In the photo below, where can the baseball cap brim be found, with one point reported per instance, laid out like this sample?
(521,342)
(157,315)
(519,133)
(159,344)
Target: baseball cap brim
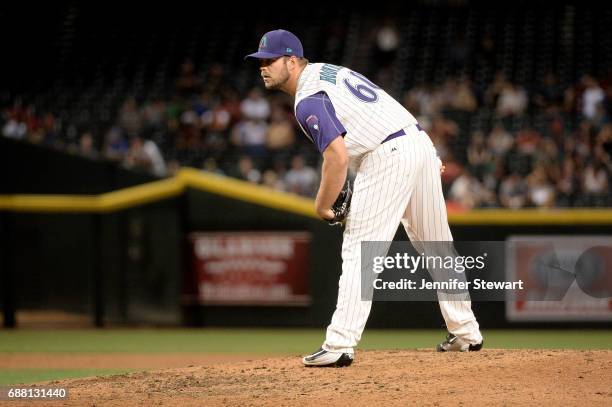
(263,55)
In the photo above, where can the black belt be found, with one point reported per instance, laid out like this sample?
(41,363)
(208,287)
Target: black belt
(399,133)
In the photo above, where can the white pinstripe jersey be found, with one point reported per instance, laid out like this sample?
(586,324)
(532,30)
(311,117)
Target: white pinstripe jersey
(366,111)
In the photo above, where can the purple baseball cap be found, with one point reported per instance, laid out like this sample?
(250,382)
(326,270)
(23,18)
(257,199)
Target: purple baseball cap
(278,43)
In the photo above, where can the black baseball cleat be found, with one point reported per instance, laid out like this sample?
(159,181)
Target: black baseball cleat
(454,344)
(324,358)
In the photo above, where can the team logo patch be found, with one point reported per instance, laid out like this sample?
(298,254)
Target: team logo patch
(263,43)
(312,122)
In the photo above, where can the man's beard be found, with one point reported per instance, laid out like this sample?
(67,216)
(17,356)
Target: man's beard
(279,83)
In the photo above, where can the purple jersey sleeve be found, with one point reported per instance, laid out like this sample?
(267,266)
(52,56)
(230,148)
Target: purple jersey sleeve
(318,118)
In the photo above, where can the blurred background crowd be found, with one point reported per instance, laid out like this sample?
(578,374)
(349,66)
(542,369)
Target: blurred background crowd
(517,101)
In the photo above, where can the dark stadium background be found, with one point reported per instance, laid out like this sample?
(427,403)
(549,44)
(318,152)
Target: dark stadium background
(501,88)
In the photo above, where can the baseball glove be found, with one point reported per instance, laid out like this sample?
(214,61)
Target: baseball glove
(342,205)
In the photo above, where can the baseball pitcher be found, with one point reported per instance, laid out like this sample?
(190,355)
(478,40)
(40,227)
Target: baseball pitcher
(352,121)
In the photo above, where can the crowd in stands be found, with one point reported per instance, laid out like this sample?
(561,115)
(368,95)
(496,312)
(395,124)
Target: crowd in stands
(504,145)
(543,147)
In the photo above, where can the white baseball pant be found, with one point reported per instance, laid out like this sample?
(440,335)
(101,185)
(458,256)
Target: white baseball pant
(397,182)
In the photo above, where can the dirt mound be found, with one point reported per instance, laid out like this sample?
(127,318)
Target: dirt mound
(421,377)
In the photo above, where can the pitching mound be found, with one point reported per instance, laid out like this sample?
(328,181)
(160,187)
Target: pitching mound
(422,377)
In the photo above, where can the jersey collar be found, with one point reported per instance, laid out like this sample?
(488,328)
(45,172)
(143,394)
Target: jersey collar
(303,77)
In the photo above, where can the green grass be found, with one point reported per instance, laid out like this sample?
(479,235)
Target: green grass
(18,376)
(270,341)
(281,341)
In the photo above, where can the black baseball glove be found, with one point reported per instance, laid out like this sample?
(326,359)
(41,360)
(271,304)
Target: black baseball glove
(342,205)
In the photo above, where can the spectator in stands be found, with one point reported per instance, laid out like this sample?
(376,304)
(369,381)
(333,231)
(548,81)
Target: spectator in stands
(280,137)
(540,191)
(13,127)
(479,156)
(555,127)
(201,103)
(86,145)
(188,138)
(280,167)
(580,141)
(453,169)
(25,118)
(595,184)
(592,96)
(500,141)
(255,106)
(421,100)
(512,100)
(130,118)
(217,119)
(492,179)
(50,127)
(71,137)
(154,120)
(549,94)
(495,89)
(173,167)
(547,153)
(174,107)
(468,192)
(154,112)
(249,136)
(246,171)
(215,79)
(444,94)
(145,154)
(607,104)
(189,118)
(603,147)
(528,140)
(216,123)
(37,136)
(210,165)
(30,117)
(600,117)
(568,183)
(441,97)
(301,178)
(463,98)
(231,102)
(115,146)
(272,180)
(441,132)
(513,192)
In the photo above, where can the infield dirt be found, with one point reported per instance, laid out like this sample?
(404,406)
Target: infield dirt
(390,377)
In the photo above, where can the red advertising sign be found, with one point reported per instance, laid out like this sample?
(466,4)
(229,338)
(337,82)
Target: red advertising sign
(251,268)
(565,278)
